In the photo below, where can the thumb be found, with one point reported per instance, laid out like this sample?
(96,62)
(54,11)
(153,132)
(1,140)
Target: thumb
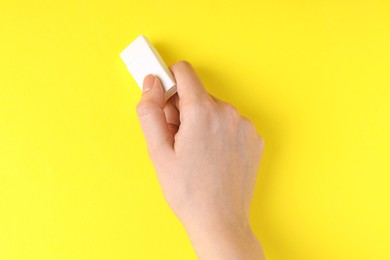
(152,117)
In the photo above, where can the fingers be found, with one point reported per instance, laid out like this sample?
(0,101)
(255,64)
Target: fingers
(160,121)
(152,118)
(172,115)
(190,89)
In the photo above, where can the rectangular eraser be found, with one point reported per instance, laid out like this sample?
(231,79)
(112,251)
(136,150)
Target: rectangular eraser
(142,59)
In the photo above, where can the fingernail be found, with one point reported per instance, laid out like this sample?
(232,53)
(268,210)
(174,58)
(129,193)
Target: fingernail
(148,83)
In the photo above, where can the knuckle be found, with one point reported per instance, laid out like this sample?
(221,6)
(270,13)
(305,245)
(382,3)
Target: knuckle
(232,111)
(203,111)
(251,128)
(250,124)
(204,115)
(261,142)
(207,105)
(252,133)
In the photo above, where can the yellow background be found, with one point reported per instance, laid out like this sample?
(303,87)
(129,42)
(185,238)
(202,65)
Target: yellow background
(75,179)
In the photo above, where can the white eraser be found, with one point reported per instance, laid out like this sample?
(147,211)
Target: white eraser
(142,59)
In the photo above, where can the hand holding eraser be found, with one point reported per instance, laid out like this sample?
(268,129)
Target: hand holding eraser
(142,59)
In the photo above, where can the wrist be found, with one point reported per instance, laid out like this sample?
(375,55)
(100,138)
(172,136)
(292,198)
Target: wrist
(221,239)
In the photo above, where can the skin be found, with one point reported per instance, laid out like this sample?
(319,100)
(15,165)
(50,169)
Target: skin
(206,156)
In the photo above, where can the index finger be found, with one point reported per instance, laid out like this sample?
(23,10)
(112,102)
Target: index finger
(190,88)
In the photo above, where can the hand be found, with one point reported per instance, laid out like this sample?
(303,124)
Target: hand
(206,157)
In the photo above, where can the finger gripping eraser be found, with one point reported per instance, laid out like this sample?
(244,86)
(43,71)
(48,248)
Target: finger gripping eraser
(142,59)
